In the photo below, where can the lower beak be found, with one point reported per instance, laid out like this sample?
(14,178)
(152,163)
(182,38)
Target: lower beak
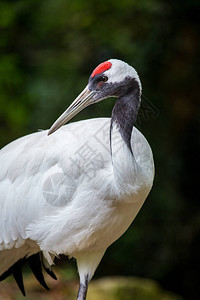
(83,100)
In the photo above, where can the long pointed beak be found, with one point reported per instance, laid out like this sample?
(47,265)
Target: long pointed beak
(77,105)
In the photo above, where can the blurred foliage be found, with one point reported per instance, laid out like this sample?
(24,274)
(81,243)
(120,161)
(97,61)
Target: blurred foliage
(48,50)
(108,288)
(127,288)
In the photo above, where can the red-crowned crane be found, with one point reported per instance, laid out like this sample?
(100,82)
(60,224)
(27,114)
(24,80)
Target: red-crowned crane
(76,191)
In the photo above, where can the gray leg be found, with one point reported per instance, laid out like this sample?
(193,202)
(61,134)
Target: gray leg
(82,292)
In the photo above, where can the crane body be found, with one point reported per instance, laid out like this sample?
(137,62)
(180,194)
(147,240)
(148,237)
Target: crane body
(77,190)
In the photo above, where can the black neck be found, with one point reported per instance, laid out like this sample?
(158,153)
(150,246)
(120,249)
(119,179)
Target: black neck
(125,113)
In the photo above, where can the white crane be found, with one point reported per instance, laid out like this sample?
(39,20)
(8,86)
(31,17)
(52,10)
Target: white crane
(76,191)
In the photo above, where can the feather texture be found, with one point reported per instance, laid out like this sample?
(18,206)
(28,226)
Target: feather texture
(78,190)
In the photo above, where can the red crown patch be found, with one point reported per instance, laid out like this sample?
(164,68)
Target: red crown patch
(101,68)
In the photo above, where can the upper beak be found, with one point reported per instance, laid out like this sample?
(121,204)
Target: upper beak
(77,105)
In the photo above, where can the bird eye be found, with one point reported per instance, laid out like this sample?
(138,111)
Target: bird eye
(104,78)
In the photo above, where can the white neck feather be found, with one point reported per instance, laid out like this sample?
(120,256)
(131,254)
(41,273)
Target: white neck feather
(124,165)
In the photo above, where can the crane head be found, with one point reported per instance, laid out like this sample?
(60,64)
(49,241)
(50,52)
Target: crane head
(112,78)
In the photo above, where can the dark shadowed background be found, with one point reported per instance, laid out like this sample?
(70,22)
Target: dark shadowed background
(48,50)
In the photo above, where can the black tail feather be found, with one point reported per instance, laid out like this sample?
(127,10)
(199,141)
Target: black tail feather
(35,265)
(17,273)
(16,270)
(6,274)
(50,272)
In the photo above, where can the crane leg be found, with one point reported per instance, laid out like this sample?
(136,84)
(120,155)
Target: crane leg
(82,292)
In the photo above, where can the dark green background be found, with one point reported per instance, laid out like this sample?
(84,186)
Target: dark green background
(48,50)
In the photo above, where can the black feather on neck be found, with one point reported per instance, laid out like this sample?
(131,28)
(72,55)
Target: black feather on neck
(125,111)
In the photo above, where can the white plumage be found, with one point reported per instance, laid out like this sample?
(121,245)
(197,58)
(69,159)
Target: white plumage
(67,194)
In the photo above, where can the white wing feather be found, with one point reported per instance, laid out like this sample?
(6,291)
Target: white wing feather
(52,188)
